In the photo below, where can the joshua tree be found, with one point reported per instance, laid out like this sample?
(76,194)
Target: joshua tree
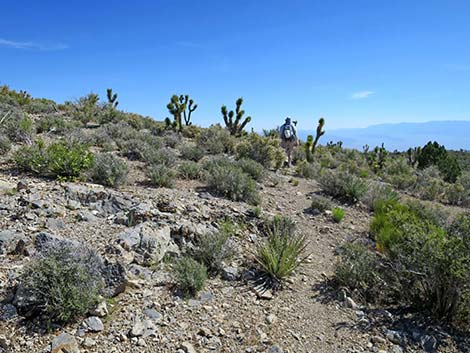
(181,106)
(235,126)
(176,109)
(112,98)
(311,143)
(189,104)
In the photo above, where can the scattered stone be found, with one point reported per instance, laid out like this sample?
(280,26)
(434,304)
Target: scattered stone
(101,310)
(350,303)
(153,314)
(8,312)
(429,343)
(393,336)
(275,349)
(230,273)
(94,324)
(64,343)
(187,347)
(138,329)
(12,242)
(206,296)
(89,342)
(271,319)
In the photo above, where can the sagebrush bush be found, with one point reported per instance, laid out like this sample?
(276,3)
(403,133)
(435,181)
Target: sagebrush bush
(189,275)
(337,214)
(216,140)
(163,156)
(5,144)
(160,175)
(263,150)
(228,180)
(342,185)
(280,253)
(378,193)
(320,203)
(192,152)
(190,170)
(399,173)
(307,170)
(358,269)
(429,184)
(63,160)
(52,123)
(251,167)
(109,170)
(63,282)
(213,249)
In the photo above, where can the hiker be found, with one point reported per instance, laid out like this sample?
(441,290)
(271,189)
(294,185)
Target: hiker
(289,139)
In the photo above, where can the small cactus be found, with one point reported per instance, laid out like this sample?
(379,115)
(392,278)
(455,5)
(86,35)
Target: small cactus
(235,126)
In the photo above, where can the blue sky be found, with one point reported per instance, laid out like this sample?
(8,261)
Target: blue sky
(354,62)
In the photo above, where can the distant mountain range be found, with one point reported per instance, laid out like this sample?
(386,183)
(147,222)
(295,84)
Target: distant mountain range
(454,135)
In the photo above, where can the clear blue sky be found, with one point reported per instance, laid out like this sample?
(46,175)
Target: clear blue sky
(354,62)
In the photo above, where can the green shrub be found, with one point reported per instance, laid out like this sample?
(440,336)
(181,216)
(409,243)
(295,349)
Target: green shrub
(279,224)
(251,167)
(358,269)
(434,154)
(63,160)
(109,170)
(342,185)
(68,160)
(190,275)
(398,173)
(337,214)
(192,152)
(63,282)
(320,203)
(213,249)
(5,144)
(280,254)
(190,170)
(307,170)
(216,140)
(163,156)
(160,175)
(230,181)
(393,223)
(263,150)
(52,123)
(378,193)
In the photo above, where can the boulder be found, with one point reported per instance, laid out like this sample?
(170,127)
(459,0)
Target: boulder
(64,343)
(12,242)
(150,242)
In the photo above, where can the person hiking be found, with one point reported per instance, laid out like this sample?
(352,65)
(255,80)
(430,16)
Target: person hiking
(289,139)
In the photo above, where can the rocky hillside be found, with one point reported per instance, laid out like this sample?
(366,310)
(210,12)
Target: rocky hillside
(111,222)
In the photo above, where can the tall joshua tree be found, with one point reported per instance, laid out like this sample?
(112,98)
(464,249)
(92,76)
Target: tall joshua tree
(235,126)
(311,143)
(176,108)
(179,107)
(189,108)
